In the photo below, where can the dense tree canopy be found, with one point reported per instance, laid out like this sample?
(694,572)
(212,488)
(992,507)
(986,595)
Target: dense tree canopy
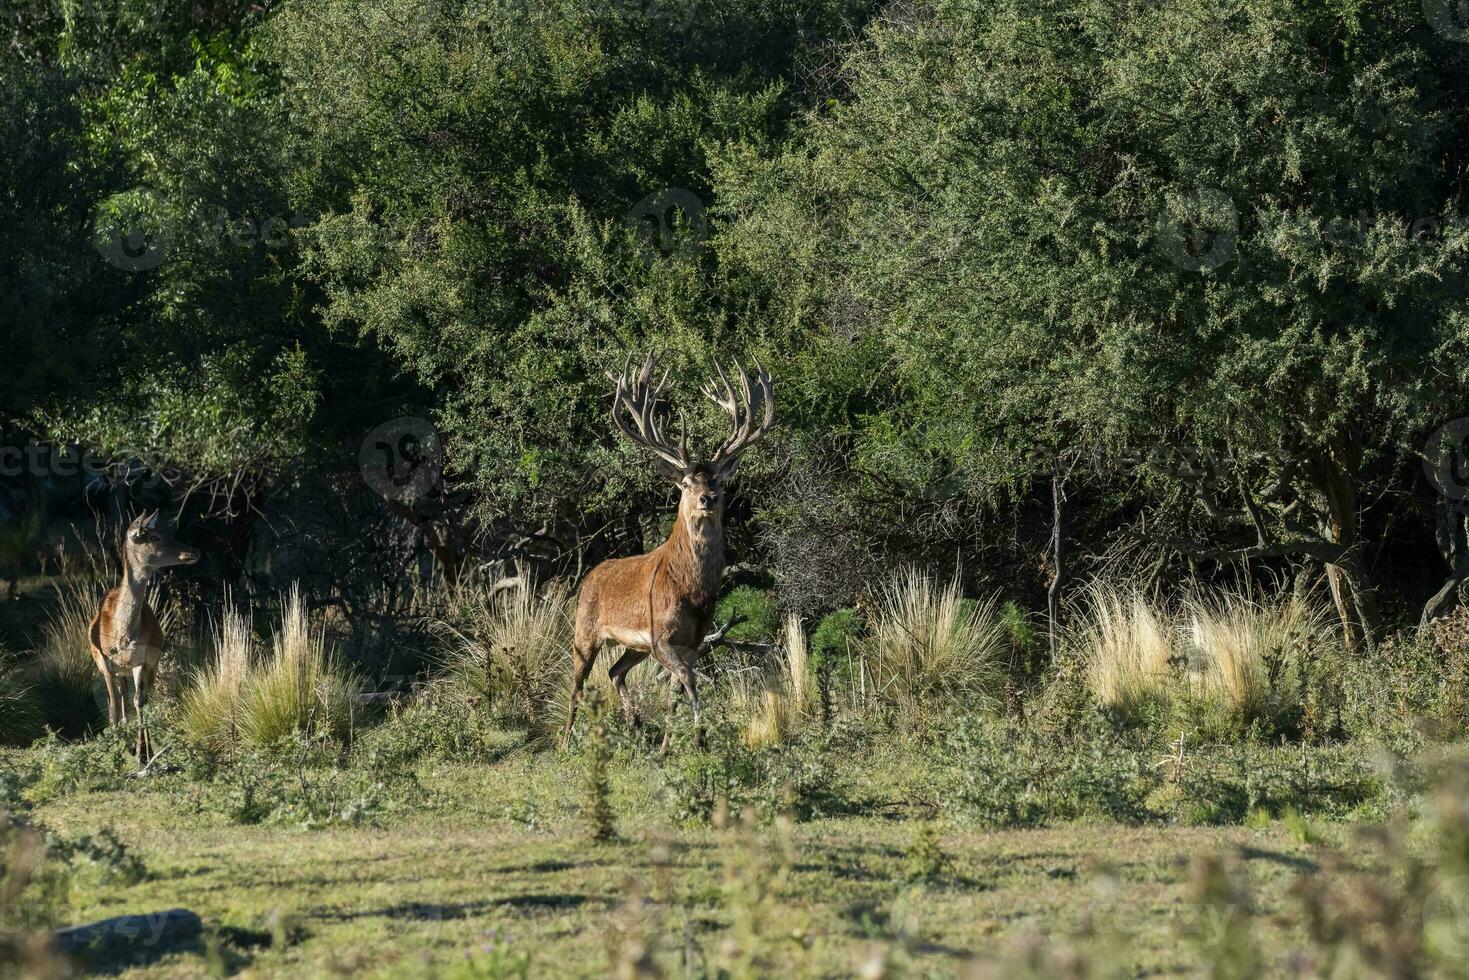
(1201,266)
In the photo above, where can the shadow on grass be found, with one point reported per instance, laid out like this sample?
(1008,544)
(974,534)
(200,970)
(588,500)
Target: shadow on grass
(440,912)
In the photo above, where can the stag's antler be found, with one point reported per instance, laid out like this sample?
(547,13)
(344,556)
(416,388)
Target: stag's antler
(637,399)
(742,406)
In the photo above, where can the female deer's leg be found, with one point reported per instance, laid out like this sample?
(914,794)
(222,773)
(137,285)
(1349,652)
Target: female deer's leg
(140,697)
(581,666)
(110,683)
(618,673)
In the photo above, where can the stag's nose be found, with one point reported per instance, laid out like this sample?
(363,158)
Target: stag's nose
(708,500)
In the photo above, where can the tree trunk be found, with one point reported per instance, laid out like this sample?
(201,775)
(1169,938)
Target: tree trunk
(1453,544)
(1058,561)
(1350,585)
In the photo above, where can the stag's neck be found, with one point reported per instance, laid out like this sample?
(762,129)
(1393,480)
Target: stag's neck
(695,558)
(127,614)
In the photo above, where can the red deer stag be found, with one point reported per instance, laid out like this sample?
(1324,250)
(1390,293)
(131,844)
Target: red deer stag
(125,636)
(662,603)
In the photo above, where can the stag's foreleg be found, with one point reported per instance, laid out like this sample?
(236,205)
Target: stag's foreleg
(679,661)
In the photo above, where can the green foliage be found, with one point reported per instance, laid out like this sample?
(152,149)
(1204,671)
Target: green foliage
(831,641)
(762,615)
(597,788)
(1006,776)
(730,776)
(926,859)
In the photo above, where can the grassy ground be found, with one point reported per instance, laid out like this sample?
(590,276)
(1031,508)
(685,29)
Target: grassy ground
(492,862)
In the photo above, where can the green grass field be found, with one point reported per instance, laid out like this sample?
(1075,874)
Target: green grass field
(492,863)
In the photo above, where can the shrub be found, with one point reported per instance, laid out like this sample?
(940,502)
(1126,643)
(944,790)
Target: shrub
(209,710)
(1225,664)
(762,618)
(298,688)
(775,704)
(928,648)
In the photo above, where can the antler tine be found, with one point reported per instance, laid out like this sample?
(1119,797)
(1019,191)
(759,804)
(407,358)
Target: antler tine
(637,397)
(744,432)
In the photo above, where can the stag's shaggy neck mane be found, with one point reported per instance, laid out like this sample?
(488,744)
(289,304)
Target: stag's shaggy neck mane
(693,558)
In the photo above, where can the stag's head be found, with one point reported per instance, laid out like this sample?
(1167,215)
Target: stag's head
(149,548)
(637,410)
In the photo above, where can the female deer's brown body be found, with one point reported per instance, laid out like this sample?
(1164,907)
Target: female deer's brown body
(662,604)
(125,637)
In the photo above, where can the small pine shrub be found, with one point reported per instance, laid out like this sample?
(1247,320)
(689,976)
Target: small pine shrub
(926,859)
(833,660)
(1026,643)
(762,617)
(597,790)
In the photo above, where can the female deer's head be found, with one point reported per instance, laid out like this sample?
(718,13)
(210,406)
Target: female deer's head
(147,548)
(636,412)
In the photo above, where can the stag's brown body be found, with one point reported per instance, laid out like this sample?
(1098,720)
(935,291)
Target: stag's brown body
(662,604)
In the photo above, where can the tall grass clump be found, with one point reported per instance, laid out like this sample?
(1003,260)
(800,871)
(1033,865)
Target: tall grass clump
(776,703)
(1248,659)
(298,687)
(210,708)
(67,686)
(1128,646)
(510,652)
(20,714)
(929,647)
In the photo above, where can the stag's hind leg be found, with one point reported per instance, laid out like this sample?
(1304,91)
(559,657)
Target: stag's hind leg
(583,656)
(618,673)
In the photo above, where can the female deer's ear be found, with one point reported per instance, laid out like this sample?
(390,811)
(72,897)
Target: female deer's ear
(152,522)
